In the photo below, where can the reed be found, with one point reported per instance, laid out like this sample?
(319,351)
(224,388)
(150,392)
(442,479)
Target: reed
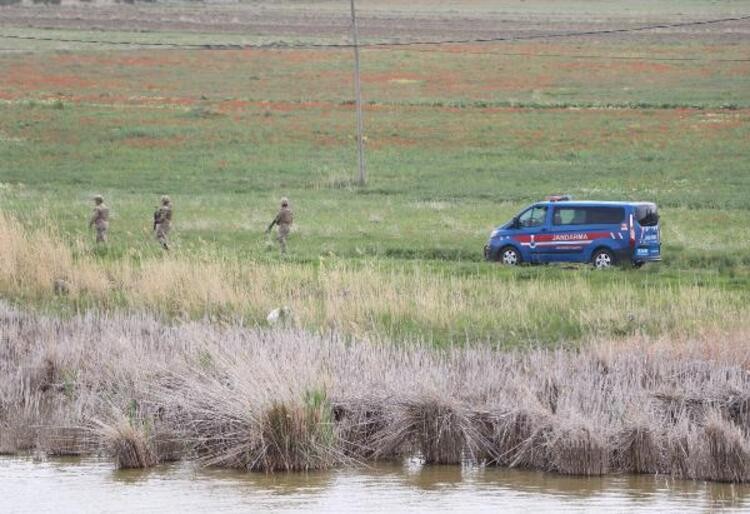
(636,449)
(289,400)
(680,449)
(578,449)
(358,423)
(432,426)
(62,441)
(129,443)
(520,438)
(728,452)
(249,421)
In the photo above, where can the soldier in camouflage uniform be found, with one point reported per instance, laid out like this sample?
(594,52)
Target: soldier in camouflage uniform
(100,219)
(163,221)
(284,220)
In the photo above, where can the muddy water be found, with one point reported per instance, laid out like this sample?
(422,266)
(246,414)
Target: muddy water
(90,485)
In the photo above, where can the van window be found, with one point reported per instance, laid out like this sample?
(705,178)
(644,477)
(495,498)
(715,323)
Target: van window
(588,215)
(534,217)
(647,215)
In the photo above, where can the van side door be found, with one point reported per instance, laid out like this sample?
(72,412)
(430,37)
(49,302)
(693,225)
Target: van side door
(576,229)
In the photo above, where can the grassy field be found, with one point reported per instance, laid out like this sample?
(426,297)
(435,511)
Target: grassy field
(460,137)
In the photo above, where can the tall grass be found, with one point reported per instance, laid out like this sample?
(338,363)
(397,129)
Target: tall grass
(362,298)
(128,441)
(272,400)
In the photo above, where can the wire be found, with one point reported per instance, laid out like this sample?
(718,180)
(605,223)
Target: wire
(392,44)
(602,56)
(568,34)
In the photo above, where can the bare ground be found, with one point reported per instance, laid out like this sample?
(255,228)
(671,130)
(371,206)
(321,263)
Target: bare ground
(331,23)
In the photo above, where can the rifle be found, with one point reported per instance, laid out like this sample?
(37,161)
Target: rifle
(275,220)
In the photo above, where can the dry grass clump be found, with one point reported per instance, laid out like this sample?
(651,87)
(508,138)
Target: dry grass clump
(636,449)
(129,442)
(37,264)
(288,400)
(32,396)
(17,429)
(296,439)
(728,452)
(275,437)
(62,441)
(577,449)
(358,423)
(519,439)
(737,410)
(434,427)
(169,446)
(679,444)
(129,445)
(264,420)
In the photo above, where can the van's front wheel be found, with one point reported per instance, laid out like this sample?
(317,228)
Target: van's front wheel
(509,256)
(603,259)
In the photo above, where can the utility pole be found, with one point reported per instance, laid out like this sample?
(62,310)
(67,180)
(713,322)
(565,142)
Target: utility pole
(358,99)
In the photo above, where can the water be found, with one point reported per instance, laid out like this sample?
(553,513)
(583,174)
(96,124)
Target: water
(92,485)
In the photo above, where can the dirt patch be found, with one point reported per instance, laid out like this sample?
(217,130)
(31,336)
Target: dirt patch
(331,22)
(638,67)
(152,59)
(153,142)
(30,77)
(392,77)
(511,82)
(231,106)
(304,56)
(376,142)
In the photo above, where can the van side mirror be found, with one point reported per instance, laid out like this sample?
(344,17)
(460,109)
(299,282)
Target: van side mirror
(515,223)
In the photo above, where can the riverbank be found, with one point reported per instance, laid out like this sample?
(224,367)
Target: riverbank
(145,392)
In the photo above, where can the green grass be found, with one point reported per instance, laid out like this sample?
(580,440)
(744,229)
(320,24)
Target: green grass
(457,143)
(437,198)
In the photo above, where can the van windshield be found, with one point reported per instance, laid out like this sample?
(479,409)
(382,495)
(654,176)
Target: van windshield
(533,217)
(647,215)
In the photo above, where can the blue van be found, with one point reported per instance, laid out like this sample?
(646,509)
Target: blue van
(602,233)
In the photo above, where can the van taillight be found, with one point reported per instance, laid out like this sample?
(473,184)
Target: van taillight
(632,232)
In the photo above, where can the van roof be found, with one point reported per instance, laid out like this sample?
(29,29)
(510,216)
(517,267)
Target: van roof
(590,203)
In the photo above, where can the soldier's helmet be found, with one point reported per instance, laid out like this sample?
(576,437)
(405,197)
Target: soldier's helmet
(285,202)
(98,199)
(165,200)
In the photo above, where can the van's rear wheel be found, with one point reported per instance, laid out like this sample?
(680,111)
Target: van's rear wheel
(509,256)
(603,259)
